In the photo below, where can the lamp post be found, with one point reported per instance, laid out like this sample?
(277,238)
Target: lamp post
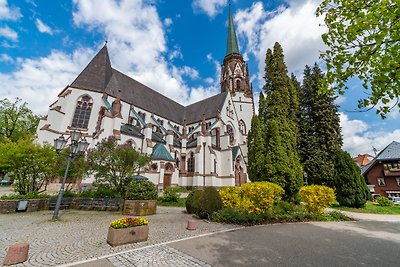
(75,147)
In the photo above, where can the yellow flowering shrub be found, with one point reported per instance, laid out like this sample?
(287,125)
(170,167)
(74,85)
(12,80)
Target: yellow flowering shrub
(317,197)
(257,197)
(128,222)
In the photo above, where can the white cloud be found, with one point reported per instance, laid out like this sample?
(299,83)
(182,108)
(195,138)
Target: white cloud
(210,7)
(42,27)
(360,138)
(7,12)
(296,28)
(6,58)
(9,33)
(38,81)
(168,22)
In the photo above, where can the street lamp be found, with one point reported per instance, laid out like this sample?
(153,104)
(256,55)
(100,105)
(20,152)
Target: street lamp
(75,147)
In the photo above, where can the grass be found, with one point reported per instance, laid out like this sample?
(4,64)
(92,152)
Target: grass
(371,207)
(181,203)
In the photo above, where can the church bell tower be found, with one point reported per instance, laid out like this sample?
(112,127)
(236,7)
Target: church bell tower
(234,72)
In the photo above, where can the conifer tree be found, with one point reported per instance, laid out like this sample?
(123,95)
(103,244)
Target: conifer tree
(350,185)
(256,148)
(279,115)
(319,129)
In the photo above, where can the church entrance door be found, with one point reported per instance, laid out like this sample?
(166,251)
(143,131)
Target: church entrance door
(167,181)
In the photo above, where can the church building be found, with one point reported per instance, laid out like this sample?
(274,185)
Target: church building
(202,144)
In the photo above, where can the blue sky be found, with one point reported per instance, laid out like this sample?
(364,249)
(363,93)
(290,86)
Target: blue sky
(174,46)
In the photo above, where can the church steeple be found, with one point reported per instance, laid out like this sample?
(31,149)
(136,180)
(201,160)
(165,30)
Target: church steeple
(234,72)
(231,44)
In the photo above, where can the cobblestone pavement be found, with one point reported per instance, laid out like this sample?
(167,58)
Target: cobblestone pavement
(81,235)
(156,256)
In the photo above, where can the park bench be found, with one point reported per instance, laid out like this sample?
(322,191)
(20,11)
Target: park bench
(65,203)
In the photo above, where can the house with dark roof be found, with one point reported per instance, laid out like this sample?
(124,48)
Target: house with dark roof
(383,172)
(202,144)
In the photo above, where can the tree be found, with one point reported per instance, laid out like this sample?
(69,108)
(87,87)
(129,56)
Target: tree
(319,129)
(256,148)
(350,185)
(363,41)
(76,169)
(29,165)
(16,120)
(114,165)
(279,117)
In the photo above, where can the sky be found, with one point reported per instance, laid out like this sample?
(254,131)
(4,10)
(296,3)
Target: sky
(173,46)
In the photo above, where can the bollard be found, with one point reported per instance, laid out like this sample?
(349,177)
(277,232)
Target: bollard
(17,253)
(191,225)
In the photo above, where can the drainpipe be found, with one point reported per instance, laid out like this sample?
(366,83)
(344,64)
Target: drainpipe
(204,164)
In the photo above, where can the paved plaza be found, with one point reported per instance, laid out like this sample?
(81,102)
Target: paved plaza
(81,235)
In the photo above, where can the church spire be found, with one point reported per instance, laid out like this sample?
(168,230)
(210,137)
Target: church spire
(231,44)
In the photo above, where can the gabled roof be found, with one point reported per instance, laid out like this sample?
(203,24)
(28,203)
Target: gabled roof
(391,152)
(99,76)
(161,153)
(363,159)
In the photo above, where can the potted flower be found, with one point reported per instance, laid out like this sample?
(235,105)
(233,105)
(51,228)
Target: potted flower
(140,198)
(127,230)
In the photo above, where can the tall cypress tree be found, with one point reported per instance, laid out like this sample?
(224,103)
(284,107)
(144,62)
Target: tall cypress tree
(256,150)
(319,129)
(279,116)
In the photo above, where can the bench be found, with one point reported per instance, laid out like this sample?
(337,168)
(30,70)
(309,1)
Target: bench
(65,203)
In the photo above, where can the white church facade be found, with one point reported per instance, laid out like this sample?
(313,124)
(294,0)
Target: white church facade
(203,144)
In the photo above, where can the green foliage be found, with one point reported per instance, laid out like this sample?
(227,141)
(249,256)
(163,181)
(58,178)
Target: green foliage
(26,196)
(256,197)
(278,114)
(17,121)
(350,186)
(317,197)
(193,201)
(384,202)
(171,194)
(181,202)
(374,208)
(256,155)
(210,202)
(319,129)
(76,169)
(100,192)
(235,216)
(29,165)
(362,42)
(114,165)
(141,190)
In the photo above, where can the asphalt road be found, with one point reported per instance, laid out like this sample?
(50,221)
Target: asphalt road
(361,243)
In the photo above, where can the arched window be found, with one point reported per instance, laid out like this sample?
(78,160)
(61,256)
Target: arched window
(242,127)
(238,85)
(229,131)
(82,112)
(191,162)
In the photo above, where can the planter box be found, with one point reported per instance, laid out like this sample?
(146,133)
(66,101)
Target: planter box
(139,207)
(122,236)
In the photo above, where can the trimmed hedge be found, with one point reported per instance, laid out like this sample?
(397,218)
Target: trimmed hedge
(141,190)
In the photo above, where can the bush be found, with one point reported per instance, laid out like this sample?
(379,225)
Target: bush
(232,215)
(317,197)
(210,202)
(27,196)
(141,190)
(171,194)
(193,201)
(257,197)
(284,207)
(384,201)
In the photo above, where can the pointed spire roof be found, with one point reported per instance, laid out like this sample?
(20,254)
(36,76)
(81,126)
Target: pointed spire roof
(97,73)
(231,44)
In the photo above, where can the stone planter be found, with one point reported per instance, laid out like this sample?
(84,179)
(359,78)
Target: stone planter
(139,207)
(122,236)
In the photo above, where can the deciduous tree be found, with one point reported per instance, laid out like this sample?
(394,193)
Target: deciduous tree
(363,42)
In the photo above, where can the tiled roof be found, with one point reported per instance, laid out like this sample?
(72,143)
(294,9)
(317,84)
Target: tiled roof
(363,159)
(391,152)
(99,76)
(161,153)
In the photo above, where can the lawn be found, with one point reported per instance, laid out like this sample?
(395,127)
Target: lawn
(181,203)
(371,207)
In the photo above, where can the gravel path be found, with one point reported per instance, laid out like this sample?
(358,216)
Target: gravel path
(81,235)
